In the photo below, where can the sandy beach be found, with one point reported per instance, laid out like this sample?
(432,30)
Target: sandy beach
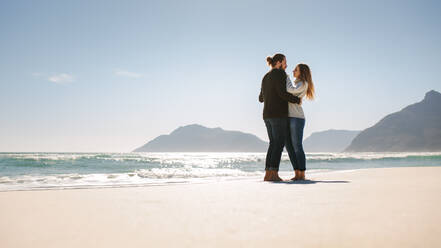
(388,207)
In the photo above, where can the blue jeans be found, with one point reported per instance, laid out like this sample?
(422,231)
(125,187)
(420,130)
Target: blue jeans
(294,145)
(277,129)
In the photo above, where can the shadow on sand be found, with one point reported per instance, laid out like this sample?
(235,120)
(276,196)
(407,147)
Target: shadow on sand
(308,181)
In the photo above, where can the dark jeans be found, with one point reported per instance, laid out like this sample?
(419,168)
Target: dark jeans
(294,145)
(277,129)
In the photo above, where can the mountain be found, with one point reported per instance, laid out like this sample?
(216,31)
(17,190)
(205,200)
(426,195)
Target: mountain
(329,141)
(417,128)
(197,138)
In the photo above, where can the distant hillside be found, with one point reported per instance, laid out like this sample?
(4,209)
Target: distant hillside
(197,138)
(329,141)
(415,128)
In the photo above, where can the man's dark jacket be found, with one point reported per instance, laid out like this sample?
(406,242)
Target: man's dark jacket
(274,95)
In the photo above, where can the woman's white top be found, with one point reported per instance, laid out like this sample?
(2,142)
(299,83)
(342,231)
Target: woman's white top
(299,90)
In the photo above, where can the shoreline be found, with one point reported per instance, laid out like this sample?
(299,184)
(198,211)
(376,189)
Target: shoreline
(385,207)
(209,180)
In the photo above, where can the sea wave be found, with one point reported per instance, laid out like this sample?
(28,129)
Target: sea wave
(46,170)
(138,177)
(203,160)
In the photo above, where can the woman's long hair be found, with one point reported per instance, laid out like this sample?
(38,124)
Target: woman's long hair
(305,75)
(272,61)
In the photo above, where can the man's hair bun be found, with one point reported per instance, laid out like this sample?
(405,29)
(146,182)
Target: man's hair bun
(272,61)
(269,60)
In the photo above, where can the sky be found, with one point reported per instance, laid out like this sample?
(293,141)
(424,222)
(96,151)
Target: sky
(108,76)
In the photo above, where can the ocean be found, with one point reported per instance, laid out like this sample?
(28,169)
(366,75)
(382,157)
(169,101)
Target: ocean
(33,171)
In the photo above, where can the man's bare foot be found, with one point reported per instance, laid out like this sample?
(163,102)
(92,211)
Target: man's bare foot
(267,176)
(276,177)
(272,176)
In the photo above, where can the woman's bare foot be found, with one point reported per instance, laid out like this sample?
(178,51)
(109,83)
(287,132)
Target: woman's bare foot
(301,175)
(296,177)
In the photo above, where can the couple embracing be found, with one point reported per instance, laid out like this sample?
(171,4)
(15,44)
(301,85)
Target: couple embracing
(283,115)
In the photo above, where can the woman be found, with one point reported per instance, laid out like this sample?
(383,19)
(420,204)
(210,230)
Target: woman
(275,113)
(303,86)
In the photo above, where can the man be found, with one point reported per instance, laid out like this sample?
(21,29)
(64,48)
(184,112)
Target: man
(275,113)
